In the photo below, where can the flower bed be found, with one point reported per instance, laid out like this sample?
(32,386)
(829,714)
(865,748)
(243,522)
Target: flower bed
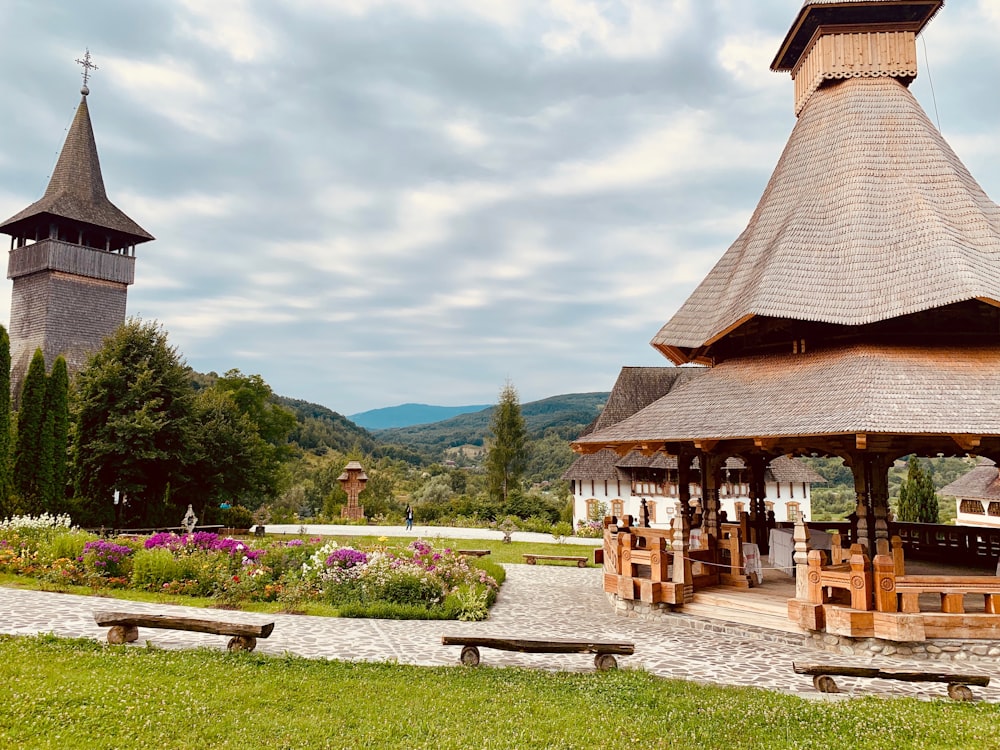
(413,581)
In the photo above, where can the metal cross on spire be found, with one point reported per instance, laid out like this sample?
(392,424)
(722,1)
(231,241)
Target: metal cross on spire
(87,66)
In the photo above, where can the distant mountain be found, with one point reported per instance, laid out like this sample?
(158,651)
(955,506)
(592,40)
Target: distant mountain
(568,414)
(407,415)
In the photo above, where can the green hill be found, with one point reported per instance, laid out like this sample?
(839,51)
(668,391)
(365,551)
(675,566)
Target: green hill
(567,415)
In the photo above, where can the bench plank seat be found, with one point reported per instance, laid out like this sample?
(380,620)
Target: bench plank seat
(472,552)
(124,627)
(957,682)
(603,650)
(581,562)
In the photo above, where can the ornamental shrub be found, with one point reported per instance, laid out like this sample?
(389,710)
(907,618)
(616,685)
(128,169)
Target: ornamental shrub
(155,567)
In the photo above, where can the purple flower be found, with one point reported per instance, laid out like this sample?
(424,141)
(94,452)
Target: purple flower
(345,557)
(294,543)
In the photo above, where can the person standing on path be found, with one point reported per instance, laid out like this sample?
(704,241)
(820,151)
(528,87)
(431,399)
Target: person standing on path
(409,518)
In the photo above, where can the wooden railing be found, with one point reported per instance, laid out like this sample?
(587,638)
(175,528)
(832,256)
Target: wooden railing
(971,546)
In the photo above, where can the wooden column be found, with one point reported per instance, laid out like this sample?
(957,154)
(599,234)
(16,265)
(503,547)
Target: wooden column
(711,470)
(879,494)
(684,486)
(757,464)
(862,490)
(801,559)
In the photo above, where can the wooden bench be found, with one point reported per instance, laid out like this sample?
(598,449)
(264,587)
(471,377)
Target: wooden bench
(581,562)
(472,552)
(125,627)
(603,651)
(957,683)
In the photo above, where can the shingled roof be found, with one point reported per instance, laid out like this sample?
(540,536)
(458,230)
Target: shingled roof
(982,483)
(638,387)
(861,389)
(76,189)
(868,216)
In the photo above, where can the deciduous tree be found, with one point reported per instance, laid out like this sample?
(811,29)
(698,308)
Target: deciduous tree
(133,424)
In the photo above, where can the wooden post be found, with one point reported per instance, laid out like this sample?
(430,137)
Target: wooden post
(861,581)
(897,556)
(886,599)
(682,564)
(801,559)
(879,494)
(814,588)
(710,469)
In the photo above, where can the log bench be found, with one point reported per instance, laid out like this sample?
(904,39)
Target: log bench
(125,627)
(581,562)
(603,651)
(957,683)
(472,552)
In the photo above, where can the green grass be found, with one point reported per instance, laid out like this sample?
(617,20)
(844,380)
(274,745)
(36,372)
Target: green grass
(70,694)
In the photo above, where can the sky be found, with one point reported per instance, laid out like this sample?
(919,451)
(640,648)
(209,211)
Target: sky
(377,202)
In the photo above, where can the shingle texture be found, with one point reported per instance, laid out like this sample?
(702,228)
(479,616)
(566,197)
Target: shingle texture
(76,189)
(636,388)
(982,483)
(868,216)
(860,389)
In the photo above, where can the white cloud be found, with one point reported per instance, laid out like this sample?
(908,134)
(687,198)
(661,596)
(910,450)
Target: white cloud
(229,25)
(632,28)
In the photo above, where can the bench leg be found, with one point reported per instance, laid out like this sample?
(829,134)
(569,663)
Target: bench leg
(242,643)
(123,634)
(825,683)
(581,563)
(605,662)
(959,692)
(470,656)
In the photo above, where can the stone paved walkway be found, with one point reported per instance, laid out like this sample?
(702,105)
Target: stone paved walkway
(535,602)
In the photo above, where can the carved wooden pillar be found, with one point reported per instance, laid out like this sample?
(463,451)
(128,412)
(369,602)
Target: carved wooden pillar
(862,490)
(684,485)
(801,559)
(878,525)
(711,470)
(757,464)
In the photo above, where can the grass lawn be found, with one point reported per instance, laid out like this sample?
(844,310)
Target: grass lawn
(69,694)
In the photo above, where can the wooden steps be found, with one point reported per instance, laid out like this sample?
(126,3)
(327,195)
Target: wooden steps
(756,607)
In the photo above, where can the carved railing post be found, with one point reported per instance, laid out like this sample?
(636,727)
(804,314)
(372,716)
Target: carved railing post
(680,546)
(801,559)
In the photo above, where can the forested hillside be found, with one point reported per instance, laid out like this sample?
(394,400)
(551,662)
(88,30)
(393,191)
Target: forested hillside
(566,415)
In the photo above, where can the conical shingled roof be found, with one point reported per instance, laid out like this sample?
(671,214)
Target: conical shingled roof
(868,216)
(76,188)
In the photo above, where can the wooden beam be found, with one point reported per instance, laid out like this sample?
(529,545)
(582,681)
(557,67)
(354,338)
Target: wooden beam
(705,445)
(861,441)
(765,443)
(967,443)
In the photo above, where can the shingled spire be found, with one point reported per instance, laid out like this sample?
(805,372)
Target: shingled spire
(72,257)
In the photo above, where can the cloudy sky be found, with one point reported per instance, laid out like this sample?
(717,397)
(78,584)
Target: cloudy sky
(372,202)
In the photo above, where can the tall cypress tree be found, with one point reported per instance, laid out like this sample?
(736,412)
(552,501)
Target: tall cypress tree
(5,426)
(28,445)
(507,457)
(917,500)
(55,435)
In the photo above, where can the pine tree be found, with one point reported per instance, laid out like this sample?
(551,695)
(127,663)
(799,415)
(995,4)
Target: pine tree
(28,444)
(917,502)
(55,435)
(507,456)
(5,424)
